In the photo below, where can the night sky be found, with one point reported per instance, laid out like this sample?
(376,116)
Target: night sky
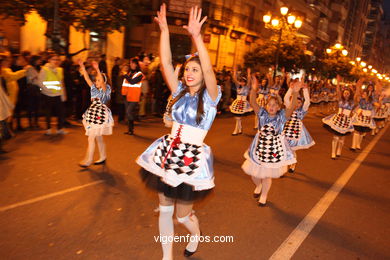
(386,8)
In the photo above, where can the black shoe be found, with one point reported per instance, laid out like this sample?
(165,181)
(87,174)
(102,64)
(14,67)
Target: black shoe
(261,204)
(256,195)
(352,149)
(291,170)
(100,162)
(188,253)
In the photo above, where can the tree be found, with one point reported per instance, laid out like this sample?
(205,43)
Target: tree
(291,52)
(100,16)
(335,63)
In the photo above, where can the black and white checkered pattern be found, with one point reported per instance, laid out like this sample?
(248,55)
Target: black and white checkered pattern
(341,120)
(96,113)
(293,127)
(239,106)
(363,120)
(269,147)
(183,159)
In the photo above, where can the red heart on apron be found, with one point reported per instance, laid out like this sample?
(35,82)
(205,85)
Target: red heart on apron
(187,160)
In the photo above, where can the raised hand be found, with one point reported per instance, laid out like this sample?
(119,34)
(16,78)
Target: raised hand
(194,22)
(297,85)
(95,65)
(161,18)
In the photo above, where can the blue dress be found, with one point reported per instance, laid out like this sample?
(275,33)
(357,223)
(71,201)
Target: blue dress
(262,95)
(181,161)
(296,133)
(241,105)
(341,122)
(97,119)
(363,119)
(269,154)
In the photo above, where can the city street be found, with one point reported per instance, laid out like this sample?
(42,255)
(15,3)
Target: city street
(50,208)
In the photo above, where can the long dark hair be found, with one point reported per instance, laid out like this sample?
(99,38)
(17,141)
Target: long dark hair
(350,100)
(200,109)
(33,62)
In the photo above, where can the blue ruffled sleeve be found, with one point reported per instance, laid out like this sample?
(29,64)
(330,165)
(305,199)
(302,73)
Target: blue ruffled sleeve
(178,90)
(209,100)
(104,96)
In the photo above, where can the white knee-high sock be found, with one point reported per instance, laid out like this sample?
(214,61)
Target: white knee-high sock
(340,146)
(192,224)
(354,140)
(90,150)
(359,141)
(266,187)
(334,145)
(165,225)
(102,147)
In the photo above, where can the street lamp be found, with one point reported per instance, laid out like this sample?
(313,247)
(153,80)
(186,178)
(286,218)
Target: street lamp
(279,23)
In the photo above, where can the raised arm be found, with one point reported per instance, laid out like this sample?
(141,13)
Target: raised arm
(84,72)
(338,90)
(99,75)
(253,95)
(296,86)
(165,50)
(287,97)
(234,78)
(306,96)
(194,27)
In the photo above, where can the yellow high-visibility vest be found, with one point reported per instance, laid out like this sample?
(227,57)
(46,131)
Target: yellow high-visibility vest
(53,80)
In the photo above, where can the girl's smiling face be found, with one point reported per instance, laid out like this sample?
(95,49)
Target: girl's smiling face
(193,74)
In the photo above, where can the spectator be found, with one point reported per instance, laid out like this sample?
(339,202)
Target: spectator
(33,91)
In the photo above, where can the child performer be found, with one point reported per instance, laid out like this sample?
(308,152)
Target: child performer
(179,166)
(240,106)
(97,119)
(295,132)
(362,120)
(269,153)
(262,96)
(340,124)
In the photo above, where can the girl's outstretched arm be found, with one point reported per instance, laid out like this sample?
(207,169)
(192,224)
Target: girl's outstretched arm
(194,27)
(165,50)
(253,95)
(296,86)
(84,72)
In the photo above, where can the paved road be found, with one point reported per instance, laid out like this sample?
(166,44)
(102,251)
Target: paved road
(47,213)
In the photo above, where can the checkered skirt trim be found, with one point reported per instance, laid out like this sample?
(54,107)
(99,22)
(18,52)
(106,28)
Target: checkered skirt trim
(240,107)
(293,127)
(178,157)
(270,148)
(97,113)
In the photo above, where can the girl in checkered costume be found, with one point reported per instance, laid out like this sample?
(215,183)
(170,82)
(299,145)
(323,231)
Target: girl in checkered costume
(269,154)
(363,121)
(240,106)
(179,166)
(97,119)
(262,95)
(296,133)
(340,124)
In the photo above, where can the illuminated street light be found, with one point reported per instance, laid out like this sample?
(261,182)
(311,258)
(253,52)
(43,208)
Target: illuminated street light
(328,51)
(374,71)
(291,19)
(363,64)
(369,67)
(358,59)
(338,46)
(298,24)
(352,62)
(344,52)
(365,69)
(267,18)
(283,10)
(275,22)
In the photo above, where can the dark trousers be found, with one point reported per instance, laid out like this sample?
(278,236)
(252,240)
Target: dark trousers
(131,110)
(33,104)
(54,105)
